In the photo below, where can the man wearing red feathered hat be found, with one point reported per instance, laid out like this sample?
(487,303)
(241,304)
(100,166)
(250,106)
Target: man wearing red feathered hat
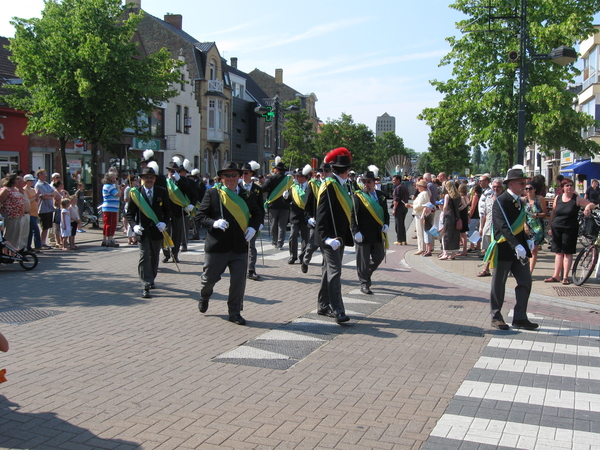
(334,212)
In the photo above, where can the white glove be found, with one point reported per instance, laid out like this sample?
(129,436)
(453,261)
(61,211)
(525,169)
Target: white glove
(161,226)
(260,227)
(530,244)
(176,176)
(250,232)
(138,229)
(286,194)
(190,207)
(385,228)
(358,237)
(221,224)
(333,243)
(521,252)
(312,222)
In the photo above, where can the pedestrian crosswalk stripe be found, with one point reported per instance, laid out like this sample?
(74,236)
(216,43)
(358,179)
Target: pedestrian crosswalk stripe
(247,352)
(277,335)
(512,434)
(528,395)
(558,331)
(565,349)
(359,301)
(538,367)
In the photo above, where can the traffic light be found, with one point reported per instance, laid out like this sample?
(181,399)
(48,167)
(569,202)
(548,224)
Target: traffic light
(269,114)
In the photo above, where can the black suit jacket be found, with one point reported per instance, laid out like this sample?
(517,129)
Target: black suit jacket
(270,185)
(185,185)
(512,209)
(161,207)
(366,224)
(311,202)
(257,195)
(332,220)
(231,239)
(297,214)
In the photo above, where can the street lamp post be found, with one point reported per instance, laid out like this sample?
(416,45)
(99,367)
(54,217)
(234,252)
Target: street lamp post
(271,113)
(561,55)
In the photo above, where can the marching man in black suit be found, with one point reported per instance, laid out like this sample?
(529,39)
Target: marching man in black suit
(370,223)
(510,251)
(310,212)
(248,171)
(148,211)
(231,217)
(279,209)
(334,212)
(296,195)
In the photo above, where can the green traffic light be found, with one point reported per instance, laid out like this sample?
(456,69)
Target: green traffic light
(269,114)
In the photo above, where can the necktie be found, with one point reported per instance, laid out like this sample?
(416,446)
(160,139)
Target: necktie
(149,195)
(374,195)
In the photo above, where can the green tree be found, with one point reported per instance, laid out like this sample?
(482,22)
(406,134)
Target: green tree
(356,137)
(83,76)
(386,146)
(299,135)
(482,95)
(424,164)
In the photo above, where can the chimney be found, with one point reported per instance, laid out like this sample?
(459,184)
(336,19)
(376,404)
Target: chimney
(175,20)
(279,76)
(233,62)
(137,3)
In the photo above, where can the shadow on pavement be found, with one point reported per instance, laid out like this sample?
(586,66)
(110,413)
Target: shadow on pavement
(45,430)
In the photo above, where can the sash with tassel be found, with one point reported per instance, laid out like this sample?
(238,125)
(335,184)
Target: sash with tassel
(147,210)
(341,194)
(491,255)
(283,186)
(376,211)
(177,196)
(299,196)
(236,206)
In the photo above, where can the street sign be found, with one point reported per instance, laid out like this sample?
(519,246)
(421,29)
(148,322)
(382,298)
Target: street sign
(467,171)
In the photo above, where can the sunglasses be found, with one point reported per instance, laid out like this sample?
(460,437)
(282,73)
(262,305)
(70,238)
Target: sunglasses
(529,189)
(230,175)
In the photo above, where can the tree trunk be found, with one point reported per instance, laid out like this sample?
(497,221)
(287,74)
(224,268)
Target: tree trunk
(95,179)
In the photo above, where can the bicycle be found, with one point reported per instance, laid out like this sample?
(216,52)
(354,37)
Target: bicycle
(88,215)
(588,257)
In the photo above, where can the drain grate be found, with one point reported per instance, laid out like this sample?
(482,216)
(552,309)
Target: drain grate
(577,291)
(18,315)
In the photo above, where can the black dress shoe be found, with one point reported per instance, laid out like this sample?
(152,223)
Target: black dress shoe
(203,305)
(253,276)
(176,259)
(500,324)
(237,319)
(183,249)
(325,312)
(366,290)
(292,260)
(304,267)
(165,259)
(146,293)
(152,286)
(341,317)
(525,324)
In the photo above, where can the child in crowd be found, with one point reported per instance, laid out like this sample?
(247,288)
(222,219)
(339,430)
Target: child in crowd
(75,221)
(65,222)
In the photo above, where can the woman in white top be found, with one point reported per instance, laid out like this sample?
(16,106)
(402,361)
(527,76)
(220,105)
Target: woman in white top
(418,209)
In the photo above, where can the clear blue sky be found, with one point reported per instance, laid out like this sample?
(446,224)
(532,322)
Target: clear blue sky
(359,57)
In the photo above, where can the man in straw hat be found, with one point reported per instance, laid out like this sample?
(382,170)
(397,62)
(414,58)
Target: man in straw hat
(370,223)
(231,217)
(510,251)
(334,213)
(148,212)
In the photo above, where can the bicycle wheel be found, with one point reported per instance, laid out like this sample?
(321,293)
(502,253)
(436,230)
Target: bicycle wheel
(584,264)
(29,261)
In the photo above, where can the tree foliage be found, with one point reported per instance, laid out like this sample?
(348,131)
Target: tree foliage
(481,99)
(386,146)
(83,76)
(299,135)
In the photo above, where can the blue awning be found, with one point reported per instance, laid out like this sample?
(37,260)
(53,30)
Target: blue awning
(587,168)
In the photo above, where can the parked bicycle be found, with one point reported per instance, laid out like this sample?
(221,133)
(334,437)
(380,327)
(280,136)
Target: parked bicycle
(88,215)
(587,258)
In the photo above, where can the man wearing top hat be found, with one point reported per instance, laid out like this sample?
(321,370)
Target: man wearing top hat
(279,209)
(183,199)
(148,212)
(370,223)
(296,196)
(510,251)
(334,212)
(231,217)
(310,213)
(248,171)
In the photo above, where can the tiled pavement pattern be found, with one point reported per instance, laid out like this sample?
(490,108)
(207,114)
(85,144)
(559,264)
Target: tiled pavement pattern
(116,371)
(528,390)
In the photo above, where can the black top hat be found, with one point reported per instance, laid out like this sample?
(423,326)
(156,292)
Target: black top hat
(339,158)
(229,166)
(147,171)
(173,166)
(369,175)
(248,168)
(281,166)
(514,174)
(325,165)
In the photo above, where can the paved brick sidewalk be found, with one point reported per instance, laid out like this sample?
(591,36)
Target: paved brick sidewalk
(115,371)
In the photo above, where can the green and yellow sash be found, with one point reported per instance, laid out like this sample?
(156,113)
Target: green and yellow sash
(376,211)
(236,206)
(491,255)
(147,210)
(283,186)
(299,196)
(340,193)
(315,184)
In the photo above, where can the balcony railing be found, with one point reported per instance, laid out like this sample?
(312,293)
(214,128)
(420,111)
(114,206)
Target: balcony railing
(215,85)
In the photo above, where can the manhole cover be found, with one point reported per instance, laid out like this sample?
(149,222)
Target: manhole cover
(18,315)
(577,291)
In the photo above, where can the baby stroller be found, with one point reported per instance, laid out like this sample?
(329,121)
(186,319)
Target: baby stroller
(9,254)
